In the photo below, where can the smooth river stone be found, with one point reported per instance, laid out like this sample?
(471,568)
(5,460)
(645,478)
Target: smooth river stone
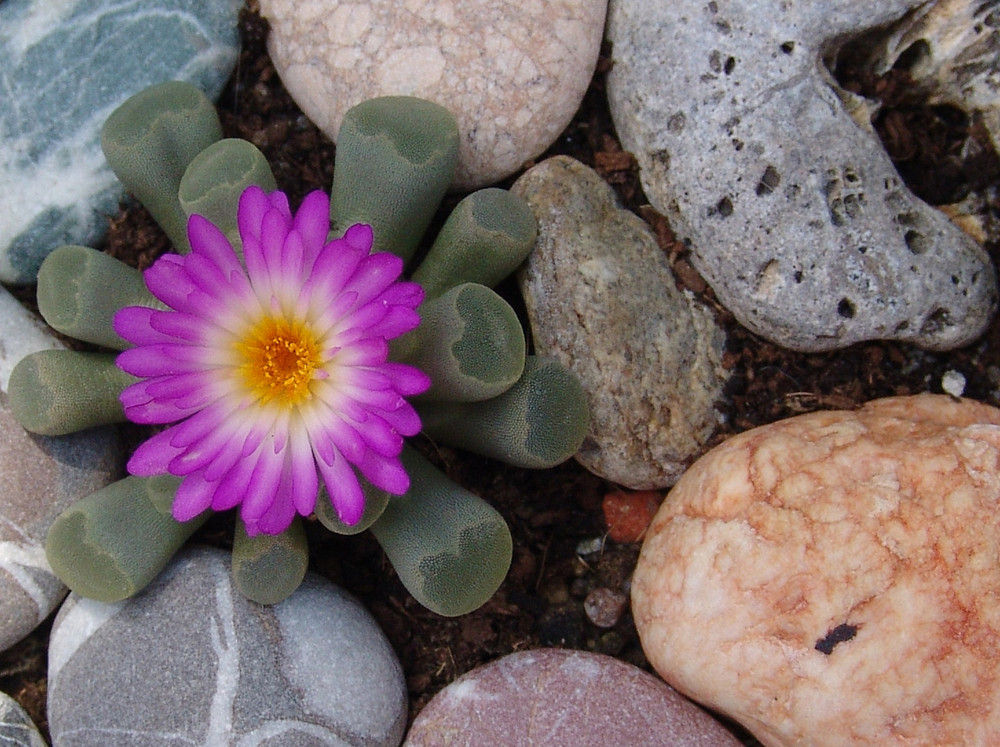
(796,216)
(513,74)
(64,66)
(16,727)
(562,698)
(602,298)
(40,476)
(833,578)
(191,661)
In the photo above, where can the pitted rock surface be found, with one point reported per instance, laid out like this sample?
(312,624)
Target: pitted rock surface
(562,698)
(833,578)
(796,215)
(190,661)
(602,298)
(513,74)
(40,476)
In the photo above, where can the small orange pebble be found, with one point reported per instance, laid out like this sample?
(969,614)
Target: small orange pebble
(628,514)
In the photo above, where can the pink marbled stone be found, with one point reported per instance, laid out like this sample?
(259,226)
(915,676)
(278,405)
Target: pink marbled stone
(562,698)
(513,74)
(834,578)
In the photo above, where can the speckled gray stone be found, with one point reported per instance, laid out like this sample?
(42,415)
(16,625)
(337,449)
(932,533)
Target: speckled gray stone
(64,66)
(601,297)
(16,727)
(190,661)
(562,698)
(797,218)
(40,476)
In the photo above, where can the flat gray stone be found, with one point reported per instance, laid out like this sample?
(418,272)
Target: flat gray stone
(602,298)
(562,698)
(16,727)
(191,661)
(64,66)
(40,476)
(796,215)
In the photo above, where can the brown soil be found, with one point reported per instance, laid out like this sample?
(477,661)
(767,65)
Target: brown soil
(552,512)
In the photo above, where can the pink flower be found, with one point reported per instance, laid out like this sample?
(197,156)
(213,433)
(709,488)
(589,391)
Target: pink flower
(273,374)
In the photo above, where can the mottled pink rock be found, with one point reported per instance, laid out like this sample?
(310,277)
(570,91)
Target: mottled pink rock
(562,698)
(834,578)
(513,74)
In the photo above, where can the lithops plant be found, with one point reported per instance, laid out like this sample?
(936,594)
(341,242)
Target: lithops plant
(288,360)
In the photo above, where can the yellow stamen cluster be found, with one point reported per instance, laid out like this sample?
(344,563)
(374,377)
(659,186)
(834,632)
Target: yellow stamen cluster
(280,360)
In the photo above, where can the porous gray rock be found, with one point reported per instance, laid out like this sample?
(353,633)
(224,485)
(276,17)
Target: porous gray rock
(40,476)
(602,298)
(64,67)
(513,74)
(190,660)
(16,727)
(562,698)
(795,214)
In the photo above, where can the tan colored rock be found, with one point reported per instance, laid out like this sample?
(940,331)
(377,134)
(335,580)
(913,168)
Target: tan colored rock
(513,74)
(602,298)
(834,578)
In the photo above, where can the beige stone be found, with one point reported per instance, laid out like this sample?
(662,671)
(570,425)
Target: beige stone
(513,74)
(834,578)
(602,298)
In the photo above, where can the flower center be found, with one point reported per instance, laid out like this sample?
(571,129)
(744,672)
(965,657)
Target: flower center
(280,361)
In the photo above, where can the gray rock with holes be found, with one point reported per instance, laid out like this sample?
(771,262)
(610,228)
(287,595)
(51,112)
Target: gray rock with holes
(795,213)
(190,661)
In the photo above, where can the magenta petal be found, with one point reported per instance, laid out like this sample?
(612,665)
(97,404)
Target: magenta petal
(312,223)
(233,487)
(375,273)
(334,266)
(132,323)
(263,485)
(381,437)
(344,490)
(404,294)
(385,473)
(192,497)
(305,480)
(367,352)
(397,321)
(208,454)
(278,517)
(404,419)
(153,456)
(406,380)
(292,258)
(158,412)
(178,325)
(273,231)
(162,359)
(360,236)
(213,246)
(250,212)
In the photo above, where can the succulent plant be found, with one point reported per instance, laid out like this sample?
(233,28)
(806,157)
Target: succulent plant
(395,159)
